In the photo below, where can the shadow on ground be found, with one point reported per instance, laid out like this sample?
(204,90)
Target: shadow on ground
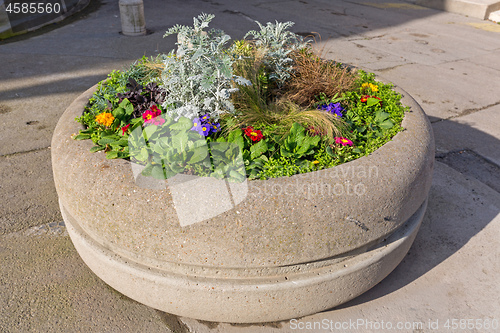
(461,204)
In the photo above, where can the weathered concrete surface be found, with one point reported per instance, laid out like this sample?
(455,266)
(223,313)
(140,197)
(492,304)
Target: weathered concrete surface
(474,8)
(443,275)
(27,192)
(477,130)
(45,287)
(447,273)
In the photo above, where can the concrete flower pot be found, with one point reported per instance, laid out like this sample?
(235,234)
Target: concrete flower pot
(278,249)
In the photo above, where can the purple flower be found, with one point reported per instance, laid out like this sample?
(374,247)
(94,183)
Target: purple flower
(215,127)
(196,124)
(333,108)
(205,127)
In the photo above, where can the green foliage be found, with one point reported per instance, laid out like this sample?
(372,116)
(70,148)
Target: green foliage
(277,43)
(266,133)
(172,148)
(297,144)
(375,121)
(199,77)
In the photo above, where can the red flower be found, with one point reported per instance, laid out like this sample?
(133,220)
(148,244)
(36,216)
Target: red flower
(125,128)
(255,135)
(365,98)
(151,116)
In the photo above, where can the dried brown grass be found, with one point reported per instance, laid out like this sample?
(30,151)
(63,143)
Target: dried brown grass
(261,103)
(314,76)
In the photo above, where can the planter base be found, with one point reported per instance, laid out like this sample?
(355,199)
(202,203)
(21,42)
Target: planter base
(254,296)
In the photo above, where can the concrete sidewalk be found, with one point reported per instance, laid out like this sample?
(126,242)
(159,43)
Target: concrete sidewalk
(449,63)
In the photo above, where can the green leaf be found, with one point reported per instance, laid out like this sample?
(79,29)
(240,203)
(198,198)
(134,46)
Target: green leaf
(168,172)
(143,155)
(380,116)
(197,54)
(127,107)
(147,170)
(118,113)
(234,134)
(236,137)
(157,149)
(97,148)
(258,149)
(372,101)
(108,132)
(111,154)
(296,133)
(199,155)
(87,131)
(386,124)
(106,140)
(330,151)
(123,142)
(179,141)
(157,172)
(149,131)
(82,136)
(237,176)
(219,146)
(284,152)
(183,124)
(306,145)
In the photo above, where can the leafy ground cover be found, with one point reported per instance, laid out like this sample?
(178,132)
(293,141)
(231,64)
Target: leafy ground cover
(261,107)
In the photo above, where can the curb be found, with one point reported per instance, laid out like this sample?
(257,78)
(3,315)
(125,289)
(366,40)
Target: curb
(474,8)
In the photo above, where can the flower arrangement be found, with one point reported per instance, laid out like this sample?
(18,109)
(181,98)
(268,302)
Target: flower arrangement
(261,107)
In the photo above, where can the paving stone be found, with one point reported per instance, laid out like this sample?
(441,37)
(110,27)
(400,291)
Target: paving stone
(46,287)
(478,131)
(449,89)
(27,190)
(33,97)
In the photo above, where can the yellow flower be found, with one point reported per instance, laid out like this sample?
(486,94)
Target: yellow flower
(105,119)
(315,162)
(371,86)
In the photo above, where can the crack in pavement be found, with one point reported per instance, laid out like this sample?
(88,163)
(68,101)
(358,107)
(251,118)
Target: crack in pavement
(50,229)
(25,152)
(467,112)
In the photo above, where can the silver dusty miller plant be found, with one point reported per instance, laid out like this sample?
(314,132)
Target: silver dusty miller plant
(277,43)
(198,77)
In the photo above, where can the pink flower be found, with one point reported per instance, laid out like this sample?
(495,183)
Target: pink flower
(125,129)
(151,116)
(343,141)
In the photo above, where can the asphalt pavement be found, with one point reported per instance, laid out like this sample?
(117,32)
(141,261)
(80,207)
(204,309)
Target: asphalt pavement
(450,63)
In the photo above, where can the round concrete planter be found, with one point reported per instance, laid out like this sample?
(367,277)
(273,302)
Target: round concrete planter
(282,248)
